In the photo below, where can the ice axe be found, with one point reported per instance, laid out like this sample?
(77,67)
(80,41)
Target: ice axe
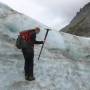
(43,43)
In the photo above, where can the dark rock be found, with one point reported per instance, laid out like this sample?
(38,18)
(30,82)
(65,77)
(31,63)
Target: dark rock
(80,25)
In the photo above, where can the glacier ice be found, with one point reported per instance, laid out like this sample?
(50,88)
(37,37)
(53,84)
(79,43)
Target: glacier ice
(64,63)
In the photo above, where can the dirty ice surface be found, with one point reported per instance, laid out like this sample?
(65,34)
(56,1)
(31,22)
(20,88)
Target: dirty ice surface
(53,71)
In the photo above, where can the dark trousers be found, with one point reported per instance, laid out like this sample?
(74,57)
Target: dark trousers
(29,63)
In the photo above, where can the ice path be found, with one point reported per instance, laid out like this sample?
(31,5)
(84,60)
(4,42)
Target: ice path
(52,72)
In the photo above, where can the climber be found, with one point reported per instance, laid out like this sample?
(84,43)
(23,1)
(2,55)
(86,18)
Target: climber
(28,40)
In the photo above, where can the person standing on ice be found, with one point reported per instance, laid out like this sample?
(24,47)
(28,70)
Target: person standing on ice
(28,40)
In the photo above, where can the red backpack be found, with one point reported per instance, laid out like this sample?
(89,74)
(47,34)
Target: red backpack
(27,35)
(24,36)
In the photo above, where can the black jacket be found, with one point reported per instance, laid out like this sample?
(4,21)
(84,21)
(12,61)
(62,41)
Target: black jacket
(26,45)
(34,41)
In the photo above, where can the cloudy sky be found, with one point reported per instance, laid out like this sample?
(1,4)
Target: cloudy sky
(53,13)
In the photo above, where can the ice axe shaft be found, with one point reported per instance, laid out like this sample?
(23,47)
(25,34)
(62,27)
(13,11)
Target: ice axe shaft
(43,43)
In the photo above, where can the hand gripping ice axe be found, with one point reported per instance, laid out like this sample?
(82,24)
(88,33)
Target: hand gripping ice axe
(43,43)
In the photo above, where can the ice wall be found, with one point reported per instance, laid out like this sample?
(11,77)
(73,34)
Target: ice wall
(72,46)
(12,22)
(54,39)
(77,47)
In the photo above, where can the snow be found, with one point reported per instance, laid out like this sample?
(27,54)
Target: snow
(5,11)
(63,65)
(53,71)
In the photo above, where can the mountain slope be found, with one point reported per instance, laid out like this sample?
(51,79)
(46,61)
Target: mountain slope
(80,25)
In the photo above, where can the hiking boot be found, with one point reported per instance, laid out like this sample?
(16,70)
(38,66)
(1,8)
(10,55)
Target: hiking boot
(29,78)
(26,77)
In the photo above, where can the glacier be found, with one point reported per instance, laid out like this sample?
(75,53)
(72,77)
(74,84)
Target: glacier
(63,65)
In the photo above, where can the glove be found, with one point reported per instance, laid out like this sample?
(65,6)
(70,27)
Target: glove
(42,42)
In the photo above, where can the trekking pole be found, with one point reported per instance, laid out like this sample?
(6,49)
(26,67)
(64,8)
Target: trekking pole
(43,43)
